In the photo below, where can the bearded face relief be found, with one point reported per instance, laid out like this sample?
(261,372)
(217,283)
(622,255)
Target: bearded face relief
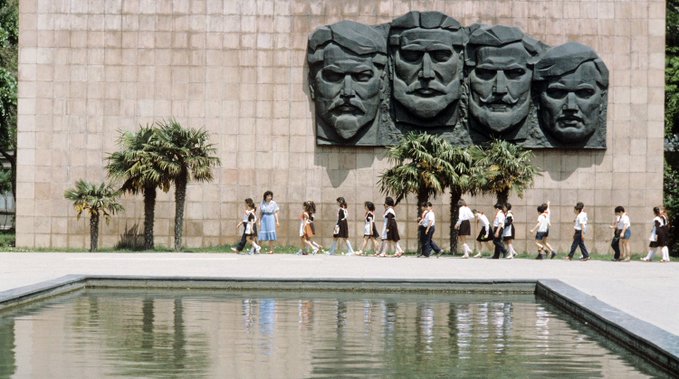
(347,91)
(500,86)
(573,84)
(346,80)
(426,72)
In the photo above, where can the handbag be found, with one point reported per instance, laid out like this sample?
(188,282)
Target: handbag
(335,230)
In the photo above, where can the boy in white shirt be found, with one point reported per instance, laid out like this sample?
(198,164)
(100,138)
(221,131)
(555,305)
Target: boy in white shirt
(580,227)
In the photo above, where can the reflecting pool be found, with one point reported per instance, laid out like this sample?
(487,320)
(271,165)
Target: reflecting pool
(98,333)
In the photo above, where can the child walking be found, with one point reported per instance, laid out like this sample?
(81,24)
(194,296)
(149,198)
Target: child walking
(249,223)
(580,226)
(307,230)
(485,235)
(463,226)
(369,229)
(509,232)
(498,231)
(542,228)
(390,235)
(621,235)
(657,238)
(341,232)
(428,227)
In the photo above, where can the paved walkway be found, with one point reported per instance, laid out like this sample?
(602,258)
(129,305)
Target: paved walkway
(648,291)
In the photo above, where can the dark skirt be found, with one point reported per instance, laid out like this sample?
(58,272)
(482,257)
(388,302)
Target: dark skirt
(343,229)
(465,228)
(482,236)
(661,236)
(392,234)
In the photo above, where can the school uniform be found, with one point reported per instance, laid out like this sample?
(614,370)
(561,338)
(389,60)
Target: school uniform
(485,234)
(580,224)
(463,223)
(342,226)
(369,228)
(543,227)
(509,231)
(428,221)
(498,227)
(390,228)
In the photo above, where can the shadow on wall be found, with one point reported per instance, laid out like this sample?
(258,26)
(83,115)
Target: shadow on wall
(560,164)
(132,239)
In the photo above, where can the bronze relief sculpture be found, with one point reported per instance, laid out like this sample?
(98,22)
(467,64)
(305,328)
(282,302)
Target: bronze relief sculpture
(424,71)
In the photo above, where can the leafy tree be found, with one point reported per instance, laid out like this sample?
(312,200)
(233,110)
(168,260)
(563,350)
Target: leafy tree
(183,154)
(511,167)
(96,200)
(9,52)
(134,165)
(420,166)
(468,175)
(671,172)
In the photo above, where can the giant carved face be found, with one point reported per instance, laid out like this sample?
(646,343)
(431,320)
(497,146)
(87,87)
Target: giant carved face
(426,71)
(347,91)
(570,105)
(500,86)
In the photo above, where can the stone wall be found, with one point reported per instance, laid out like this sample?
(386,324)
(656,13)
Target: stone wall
(237,68)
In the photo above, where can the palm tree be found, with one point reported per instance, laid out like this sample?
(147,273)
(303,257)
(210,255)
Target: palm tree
(512,167)
(96,200)
(420,165)
(468,175)
(134,164)
(183,154)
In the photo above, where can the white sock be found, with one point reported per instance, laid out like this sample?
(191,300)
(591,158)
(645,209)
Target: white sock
(665,254)
(349,248)
(651,253)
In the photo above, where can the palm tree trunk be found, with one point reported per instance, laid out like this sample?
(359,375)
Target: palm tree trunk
(503,196)
(149,215)
(422,197)
(179,200)
(94,231)
(455,196)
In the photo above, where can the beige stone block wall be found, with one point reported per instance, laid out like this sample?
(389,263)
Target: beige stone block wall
(237,68)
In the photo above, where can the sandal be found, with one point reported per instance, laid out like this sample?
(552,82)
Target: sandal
(382,255)
(397,255)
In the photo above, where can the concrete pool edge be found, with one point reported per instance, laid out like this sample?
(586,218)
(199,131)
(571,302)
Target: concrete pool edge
(639,337)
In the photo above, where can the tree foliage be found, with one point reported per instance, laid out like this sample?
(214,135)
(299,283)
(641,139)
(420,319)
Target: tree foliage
(182,154)
(96,201)
(671,173)
(134,164)
(510,168)
(9,52)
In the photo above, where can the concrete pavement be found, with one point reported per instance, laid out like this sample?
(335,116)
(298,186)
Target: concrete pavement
(647,291)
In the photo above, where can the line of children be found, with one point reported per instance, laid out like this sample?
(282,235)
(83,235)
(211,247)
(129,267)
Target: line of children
(503,230)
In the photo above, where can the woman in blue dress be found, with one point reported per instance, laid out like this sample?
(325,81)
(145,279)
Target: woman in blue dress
(268,219)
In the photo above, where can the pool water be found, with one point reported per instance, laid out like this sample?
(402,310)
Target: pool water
(98,333)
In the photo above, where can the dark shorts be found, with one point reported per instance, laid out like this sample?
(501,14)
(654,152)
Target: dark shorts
(539,236)
(465,228)
(653,244)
